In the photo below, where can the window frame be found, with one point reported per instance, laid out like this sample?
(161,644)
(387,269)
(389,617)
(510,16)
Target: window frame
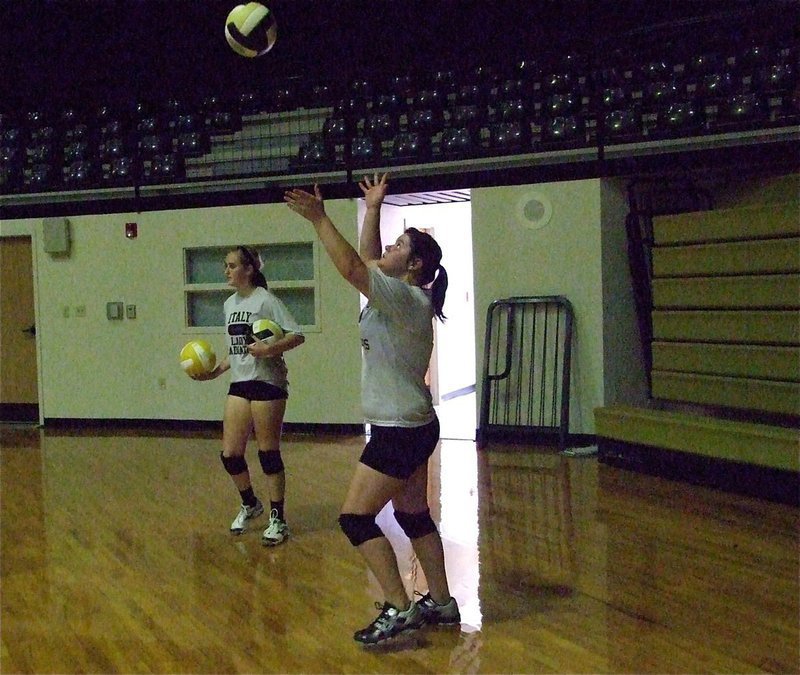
(192,289)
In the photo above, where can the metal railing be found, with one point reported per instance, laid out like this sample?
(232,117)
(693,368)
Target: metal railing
(526,370)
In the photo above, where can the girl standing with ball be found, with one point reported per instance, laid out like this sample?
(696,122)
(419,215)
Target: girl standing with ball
(258,391)
(405,286)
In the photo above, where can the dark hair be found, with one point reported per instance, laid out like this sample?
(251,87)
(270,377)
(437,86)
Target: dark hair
(424,247)
(249,256)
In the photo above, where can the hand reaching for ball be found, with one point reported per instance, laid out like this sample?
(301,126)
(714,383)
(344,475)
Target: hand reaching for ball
(311,207)
(374,190)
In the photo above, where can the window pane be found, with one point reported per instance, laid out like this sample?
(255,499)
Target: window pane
(288,262)
(300,302)
(282,262)
(205,308)
(205,265)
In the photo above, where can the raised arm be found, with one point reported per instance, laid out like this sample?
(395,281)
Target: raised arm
(369,245)
(342,254)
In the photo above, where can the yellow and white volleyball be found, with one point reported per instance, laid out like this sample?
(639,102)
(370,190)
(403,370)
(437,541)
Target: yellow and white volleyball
(198,358)
(251,29)
(266,330)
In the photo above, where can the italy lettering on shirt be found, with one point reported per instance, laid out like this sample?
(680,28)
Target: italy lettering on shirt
(239,317)
(238,330)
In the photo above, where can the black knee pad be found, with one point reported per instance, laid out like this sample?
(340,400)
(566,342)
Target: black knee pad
(415,525)
(359,527)
(271,461)
(234,465)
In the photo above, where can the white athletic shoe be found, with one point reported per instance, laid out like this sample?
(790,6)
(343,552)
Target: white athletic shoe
(277,531)
(246,513)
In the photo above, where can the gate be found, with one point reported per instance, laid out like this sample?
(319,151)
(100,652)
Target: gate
(526,370)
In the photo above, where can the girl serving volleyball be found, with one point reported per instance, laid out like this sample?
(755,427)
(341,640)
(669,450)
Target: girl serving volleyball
(258,390)
(405,288)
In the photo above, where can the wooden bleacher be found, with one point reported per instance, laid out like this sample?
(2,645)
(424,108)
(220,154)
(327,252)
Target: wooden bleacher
(725,379)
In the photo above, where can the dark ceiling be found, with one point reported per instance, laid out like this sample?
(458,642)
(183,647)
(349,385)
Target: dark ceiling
(94,51)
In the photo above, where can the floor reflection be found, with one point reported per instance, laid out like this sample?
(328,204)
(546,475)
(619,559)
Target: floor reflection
(116,557)
(526,519)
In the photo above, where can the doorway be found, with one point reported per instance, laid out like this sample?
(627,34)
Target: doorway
(447,215)
(19,390)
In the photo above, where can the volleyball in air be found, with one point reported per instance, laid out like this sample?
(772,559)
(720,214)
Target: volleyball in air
(198,358)
(266,330)
(251,30)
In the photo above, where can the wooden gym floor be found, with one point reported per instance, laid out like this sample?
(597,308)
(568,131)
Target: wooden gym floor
(116,558)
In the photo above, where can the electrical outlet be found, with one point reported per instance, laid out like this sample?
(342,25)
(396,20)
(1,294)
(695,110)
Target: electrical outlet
(80,310)
(130,311)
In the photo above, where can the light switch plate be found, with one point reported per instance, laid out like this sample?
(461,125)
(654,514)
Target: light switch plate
(113,310)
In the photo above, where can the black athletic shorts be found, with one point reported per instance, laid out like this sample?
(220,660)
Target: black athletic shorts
(400,451)
(255,390)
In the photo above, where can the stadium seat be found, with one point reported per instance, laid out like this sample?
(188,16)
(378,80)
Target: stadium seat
(660,93)
(365,151)
(678,118)
(623,125)
(81,174)
(75,151)
(458,142)
(403,86)
(443,81)
(563,131)
(192,144)
(430,99)
(314,156)
(472,117)
(411,146)
(122,171)
(223,122)
(514,110)
(562,103)
(187,123)
(249,103)
(381,126)
(112,148)
(40,178)
(166,168)
(336,129)
(510,137)
(151,145)
(426,121)
(391,104)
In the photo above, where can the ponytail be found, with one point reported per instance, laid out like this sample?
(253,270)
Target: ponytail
(260,280)
(438,290)
(425,247)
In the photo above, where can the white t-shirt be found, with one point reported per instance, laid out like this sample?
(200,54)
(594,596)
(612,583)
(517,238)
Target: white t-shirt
(240,313)
(396,342)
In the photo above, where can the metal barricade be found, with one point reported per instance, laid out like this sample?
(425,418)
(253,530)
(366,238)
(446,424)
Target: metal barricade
(526,370)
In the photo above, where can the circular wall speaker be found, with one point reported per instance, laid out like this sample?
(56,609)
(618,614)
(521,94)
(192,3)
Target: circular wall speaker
(534,210)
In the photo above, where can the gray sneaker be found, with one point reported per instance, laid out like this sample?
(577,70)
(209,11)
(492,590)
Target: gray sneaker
(277,531)
(435,614)
(390,622)
(246,513)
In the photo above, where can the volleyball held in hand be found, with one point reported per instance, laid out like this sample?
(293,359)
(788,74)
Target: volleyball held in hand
(266,330)
(198,358)
(251,29)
